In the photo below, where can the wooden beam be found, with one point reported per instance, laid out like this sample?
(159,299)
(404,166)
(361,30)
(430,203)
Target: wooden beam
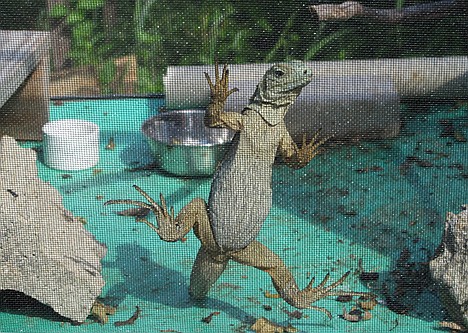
(415,13)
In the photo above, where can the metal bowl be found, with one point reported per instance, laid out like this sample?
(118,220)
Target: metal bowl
(182,145)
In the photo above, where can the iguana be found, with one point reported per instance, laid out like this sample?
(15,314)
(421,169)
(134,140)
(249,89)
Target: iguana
(241,195)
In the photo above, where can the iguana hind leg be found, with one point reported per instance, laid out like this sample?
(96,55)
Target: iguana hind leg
(205,272)
(259,256)
(209,263)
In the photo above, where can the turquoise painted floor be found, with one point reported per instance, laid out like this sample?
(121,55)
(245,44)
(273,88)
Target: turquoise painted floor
(372,207)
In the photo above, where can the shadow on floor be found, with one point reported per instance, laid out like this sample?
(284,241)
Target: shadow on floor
(147,280)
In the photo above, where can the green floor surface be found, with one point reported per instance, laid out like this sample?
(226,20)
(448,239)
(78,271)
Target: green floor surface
(355,206)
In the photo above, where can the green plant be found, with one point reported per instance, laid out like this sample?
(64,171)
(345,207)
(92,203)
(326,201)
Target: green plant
(180,33)
(90,45)
(22,14)
(176,32)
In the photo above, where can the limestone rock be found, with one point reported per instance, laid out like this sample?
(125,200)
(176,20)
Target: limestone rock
(44,250)
(449,268)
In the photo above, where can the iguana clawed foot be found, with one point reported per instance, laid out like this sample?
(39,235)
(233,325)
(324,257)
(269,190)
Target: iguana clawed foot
(219,90)
(310,294)
(168,229)
(309,150)
(301,156)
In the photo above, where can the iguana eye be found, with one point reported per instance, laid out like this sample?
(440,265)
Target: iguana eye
(279,73)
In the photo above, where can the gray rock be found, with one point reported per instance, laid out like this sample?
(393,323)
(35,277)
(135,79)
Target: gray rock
(449,268)
(44,250)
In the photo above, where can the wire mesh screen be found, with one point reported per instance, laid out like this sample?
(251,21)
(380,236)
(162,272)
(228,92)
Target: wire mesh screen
(229,166)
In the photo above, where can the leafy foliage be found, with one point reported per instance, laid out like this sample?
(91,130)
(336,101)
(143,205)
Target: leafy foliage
(93,44)
(88,38)
(176,32)
(179,32)
(21,14)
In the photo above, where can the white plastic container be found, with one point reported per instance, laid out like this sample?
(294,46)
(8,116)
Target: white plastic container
(70,144)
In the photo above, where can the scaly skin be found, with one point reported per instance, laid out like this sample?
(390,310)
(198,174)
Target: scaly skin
(241,195)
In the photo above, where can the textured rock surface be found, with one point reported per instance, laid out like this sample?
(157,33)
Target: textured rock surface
(44,250)
(449,268)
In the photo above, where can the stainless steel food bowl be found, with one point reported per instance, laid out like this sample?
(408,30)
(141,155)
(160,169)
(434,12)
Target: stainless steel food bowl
(182,145)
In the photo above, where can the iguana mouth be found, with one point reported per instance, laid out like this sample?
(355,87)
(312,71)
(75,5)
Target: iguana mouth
(297,90)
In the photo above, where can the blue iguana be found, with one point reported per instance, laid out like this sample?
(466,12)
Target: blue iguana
(241,195)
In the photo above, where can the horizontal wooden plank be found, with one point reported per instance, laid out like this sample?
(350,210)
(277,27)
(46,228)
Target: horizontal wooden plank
(20,53)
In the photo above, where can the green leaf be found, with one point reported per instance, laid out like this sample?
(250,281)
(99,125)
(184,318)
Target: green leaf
(315,48)
(107,72)
(74,18)
(58,11)
(399,4)
(144,37)
(89,4)
(264,24)
(83,31)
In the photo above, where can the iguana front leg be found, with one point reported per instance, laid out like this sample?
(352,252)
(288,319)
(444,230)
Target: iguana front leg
(219,92)
(298,157)
(172,228)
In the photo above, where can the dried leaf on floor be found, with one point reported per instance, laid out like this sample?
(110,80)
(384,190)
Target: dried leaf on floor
(270,295)
(208,319)
(452,326)
(263,325)
(296,314)
(101,312)
(355,315)
(110,144)
(344,298)
(367,303)
(131,320)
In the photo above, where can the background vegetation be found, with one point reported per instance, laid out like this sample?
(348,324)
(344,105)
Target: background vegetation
(178,32)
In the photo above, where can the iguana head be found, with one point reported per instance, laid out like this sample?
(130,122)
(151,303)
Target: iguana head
(279,88)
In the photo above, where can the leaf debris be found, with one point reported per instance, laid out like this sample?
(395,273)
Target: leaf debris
(208,319)
(453,326)
(263,325)
(131,320)
(101,312)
